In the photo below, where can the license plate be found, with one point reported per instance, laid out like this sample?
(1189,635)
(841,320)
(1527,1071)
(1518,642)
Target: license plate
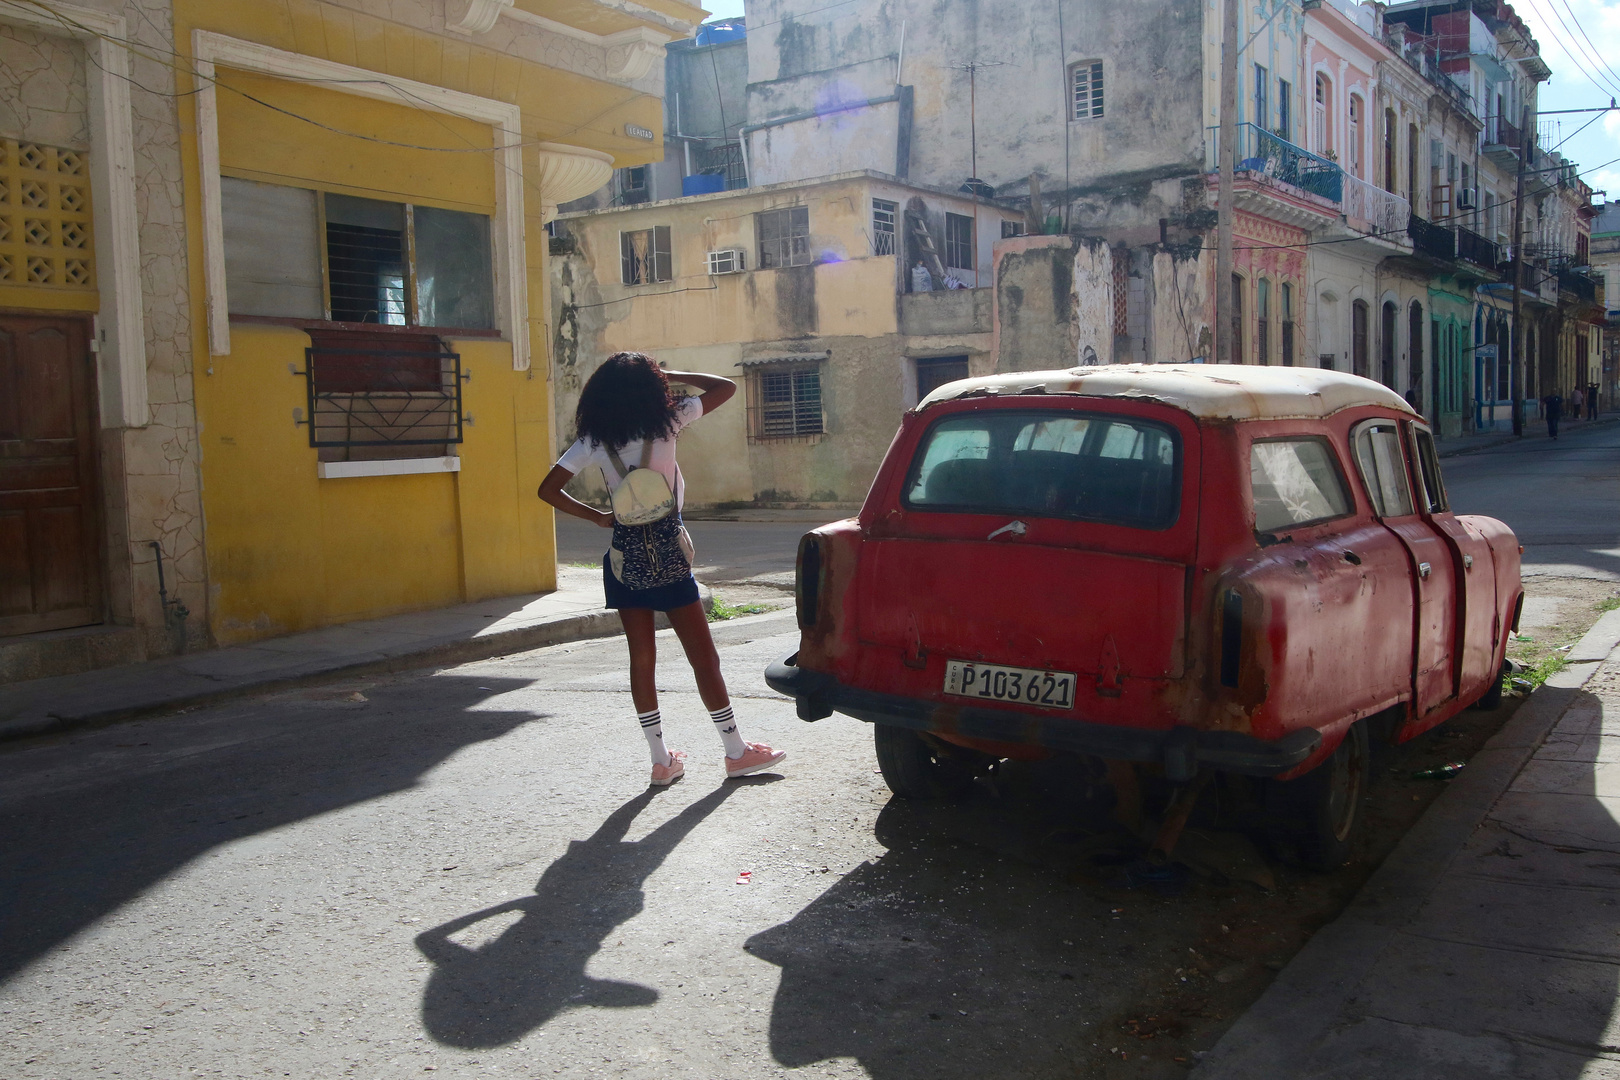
(1027,686)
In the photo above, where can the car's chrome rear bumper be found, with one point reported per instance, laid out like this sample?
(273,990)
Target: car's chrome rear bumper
(1180,749)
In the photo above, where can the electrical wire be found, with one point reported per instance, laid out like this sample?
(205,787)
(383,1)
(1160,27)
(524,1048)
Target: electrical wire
(1608,86)
(1597,51)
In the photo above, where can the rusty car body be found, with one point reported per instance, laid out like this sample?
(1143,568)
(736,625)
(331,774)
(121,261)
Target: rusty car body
(1249,570)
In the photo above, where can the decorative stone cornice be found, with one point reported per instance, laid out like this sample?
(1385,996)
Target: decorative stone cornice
(475,16)
(568,173)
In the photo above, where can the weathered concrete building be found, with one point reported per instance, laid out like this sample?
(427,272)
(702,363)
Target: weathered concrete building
(1605,256)
(799,291)
(247,253)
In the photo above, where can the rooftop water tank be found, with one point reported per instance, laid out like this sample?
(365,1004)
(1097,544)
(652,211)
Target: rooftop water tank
(716,33)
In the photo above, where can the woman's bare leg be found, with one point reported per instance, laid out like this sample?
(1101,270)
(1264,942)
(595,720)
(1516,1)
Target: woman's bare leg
(638,634)
(691,625)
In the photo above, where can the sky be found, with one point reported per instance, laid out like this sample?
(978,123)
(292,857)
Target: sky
(1579,39)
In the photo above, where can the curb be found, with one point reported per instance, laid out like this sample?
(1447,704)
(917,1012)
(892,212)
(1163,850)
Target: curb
(33,723)
(1307,1000)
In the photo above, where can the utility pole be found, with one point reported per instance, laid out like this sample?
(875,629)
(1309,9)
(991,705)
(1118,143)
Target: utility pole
(972,68)
(1515,372)
(1225,301)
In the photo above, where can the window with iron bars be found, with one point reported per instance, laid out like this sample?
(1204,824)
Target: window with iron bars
(1086,90)
(884,215)
(644,256)
(786,403)
(724,160)
(381,395)
(784,237)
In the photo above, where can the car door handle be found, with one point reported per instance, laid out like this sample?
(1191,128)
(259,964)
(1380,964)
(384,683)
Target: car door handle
(1424,570)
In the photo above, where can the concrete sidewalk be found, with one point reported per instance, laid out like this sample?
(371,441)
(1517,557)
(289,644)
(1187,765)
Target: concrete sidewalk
(1488,943)
(446,636)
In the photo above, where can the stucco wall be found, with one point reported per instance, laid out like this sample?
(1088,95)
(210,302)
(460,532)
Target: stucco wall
(42,88)
(803,56)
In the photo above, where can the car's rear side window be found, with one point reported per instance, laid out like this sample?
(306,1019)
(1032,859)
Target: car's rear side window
(1378,452)
(1295,482)
(1048,463)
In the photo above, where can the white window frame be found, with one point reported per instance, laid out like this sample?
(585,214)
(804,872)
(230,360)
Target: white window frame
(1086,102)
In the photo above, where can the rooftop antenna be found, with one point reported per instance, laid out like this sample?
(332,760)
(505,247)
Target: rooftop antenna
(973,67)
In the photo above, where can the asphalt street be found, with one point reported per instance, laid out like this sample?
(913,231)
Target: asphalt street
(1562,499)
(463,872)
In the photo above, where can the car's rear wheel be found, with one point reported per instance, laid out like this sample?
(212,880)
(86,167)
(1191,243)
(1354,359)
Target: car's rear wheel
(1493,696)
(914,768)
(1316,818)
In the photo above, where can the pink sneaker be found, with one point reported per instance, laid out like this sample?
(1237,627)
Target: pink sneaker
(665,775)
(757,758)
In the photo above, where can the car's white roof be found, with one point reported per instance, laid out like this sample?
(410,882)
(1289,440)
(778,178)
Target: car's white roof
(1210,391)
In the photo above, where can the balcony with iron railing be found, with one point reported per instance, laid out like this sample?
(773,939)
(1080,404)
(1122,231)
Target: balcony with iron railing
(1381,213)
(1474,248)
(1431,240)
(1573,281)
(1263,153)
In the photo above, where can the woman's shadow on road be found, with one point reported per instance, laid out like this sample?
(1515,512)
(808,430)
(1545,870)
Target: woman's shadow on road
(477,998)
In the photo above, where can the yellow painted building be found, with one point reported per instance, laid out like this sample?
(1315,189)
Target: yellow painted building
(292,257)
(801,292)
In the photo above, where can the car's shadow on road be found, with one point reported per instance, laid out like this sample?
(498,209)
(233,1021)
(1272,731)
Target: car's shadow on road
(962,952)
(477,998)
(88,825)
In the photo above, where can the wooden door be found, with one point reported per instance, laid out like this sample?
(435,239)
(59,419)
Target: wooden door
(50,559)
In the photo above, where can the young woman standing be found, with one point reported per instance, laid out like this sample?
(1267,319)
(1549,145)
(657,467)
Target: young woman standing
(625,405)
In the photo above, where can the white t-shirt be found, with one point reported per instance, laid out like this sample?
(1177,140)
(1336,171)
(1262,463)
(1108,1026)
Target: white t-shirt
(583,454)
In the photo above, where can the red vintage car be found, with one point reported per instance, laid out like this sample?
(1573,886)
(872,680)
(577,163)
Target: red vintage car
(1195,568)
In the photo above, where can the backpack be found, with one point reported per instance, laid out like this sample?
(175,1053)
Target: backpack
(650,548)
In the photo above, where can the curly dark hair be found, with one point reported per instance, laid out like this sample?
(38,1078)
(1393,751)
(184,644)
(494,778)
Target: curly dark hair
(626,398)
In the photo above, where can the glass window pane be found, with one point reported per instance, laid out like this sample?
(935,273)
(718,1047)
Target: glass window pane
(272,252)
(1294,482)
(1050,464)
(365,256)
(1378,453)
(455,279)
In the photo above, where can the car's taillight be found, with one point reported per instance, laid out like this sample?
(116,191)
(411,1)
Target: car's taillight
(807,584)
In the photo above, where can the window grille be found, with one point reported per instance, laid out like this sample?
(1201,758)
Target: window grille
(934,372)
(1237,317)
(1086,89)
(884,214)
(377,395)
(787,404)
(633,185)
(958,242)
(644,256)
(365,260)
(1010,229)
(724,160)
(45,217)
(784,237)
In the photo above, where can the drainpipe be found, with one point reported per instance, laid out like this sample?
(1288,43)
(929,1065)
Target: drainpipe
(174,610)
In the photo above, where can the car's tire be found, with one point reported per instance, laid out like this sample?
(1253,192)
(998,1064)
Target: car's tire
(1493,696)
(913,769)
(1316,818)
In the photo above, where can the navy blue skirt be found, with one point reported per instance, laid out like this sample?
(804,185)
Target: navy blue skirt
(663,598)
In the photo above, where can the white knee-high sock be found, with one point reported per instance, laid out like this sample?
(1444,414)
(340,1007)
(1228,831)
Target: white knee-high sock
(652,726)
(725,722)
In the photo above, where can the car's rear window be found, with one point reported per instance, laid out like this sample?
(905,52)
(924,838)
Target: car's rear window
(1048,463)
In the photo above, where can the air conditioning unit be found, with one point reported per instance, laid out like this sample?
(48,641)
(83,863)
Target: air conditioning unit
(729,261)
(1465,198)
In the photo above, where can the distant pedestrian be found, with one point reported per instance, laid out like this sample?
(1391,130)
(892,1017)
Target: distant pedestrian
(627,415)
(1577,402)
(1592,401)
(1553,406)
(921,279)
